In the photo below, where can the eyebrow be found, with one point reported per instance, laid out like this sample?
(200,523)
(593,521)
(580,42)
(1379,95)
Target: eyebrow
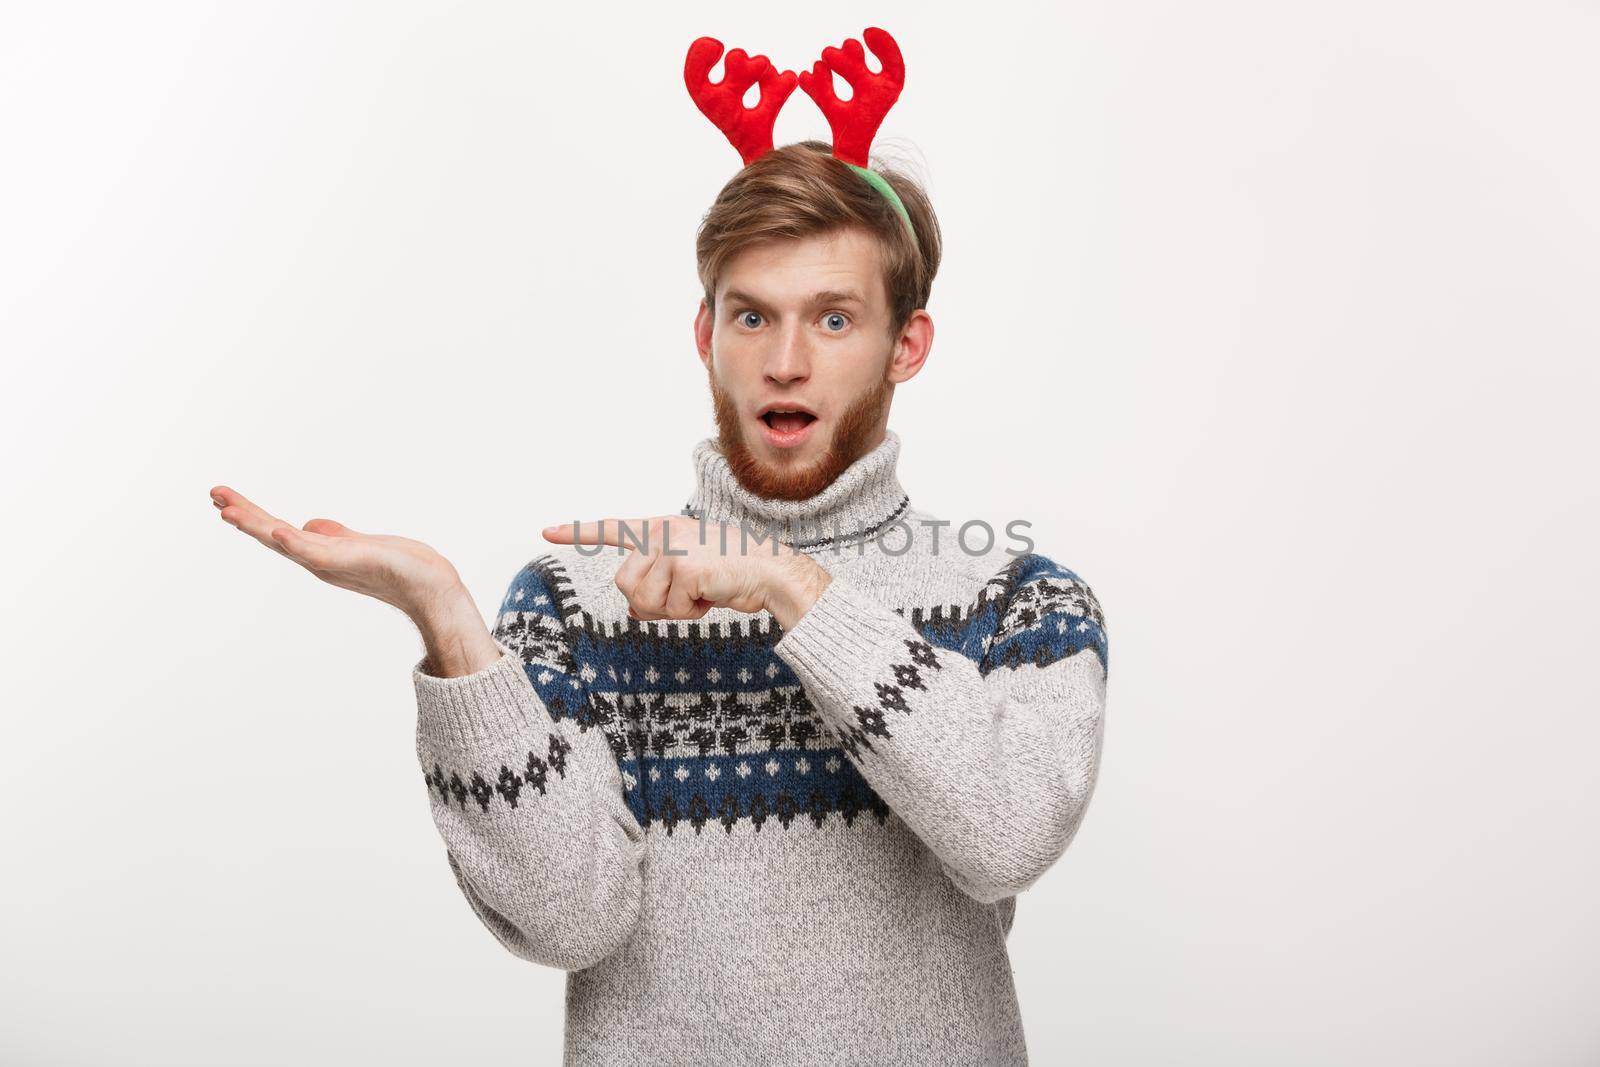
(826,296)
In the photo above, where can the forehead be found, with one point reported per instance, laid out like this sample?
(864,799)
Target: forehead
(789,270)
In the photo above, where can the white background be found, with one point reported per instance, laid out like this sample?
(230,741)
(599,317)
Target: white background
(1277,320)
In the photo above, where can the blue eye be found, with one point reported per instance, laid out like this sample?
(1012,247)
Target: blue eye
(835,315)
(742,315)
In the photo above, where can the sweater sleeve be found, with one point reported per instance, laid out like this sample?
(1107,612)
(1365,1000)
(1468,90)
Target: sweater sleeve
(981,731)
(526,790)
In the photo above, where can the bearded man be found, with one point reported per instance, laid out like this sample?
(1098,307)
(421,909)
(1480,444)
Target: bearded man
(764,777)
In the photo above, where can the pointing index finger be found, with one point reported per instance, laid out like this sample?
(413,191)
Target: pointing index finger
(604,532)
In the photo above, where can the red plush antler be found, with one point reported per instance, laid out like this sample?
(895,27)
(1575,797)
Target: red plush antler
(748,128)
(855,121)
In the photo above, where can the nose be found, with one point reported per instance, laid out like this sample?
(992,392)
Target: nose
(788,358)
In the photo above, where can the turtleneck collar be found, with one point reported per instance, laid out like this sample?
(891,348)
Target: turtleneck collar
(865,498)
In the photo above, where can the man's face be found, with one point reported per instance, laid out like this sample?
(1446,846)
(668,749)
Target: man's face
(802,326)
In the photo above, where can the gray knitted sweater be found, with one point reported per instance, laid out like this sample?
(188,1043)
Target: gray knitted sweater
(751,845)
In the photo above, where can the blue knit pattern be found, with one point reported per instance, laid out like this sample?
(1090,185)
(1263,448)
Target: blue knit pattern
(709,727)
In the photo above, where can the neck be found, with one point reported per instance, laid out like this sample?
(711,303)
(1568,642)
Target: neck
(856,506)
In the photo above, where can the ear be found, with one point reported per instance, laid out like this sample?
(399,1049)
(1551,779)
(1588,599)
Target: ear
(702,333)
(911,348)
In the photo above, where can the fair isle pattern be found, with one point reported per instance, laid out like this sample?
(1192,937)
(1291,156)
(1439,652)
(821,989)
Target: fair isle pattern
(1050,613)
(507,784)
(870,721)
(710,727)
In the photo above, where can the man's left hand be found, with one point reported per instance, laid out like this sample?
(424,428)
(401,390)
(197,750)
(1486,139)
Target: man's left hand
(672,572)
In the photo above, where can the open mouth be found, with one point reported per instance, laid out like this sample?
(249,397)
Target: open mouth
(788,421)
(787,427)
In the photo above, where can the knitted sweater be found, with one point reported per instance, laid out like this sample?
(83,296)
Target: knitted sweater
(752,845)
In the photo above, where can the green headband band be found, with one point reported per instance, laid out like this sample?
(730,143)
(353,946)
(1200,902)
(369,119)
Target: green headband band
(880,183)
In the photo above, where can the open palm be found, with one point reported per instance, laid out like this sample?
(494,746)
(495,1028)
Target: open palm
(397,570)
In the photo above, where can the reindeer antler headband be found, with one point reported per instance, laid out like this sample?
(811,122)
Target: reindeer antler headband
(854,121)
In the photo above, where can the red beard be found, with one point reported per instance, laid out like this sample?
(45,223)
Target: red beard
(853,436)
